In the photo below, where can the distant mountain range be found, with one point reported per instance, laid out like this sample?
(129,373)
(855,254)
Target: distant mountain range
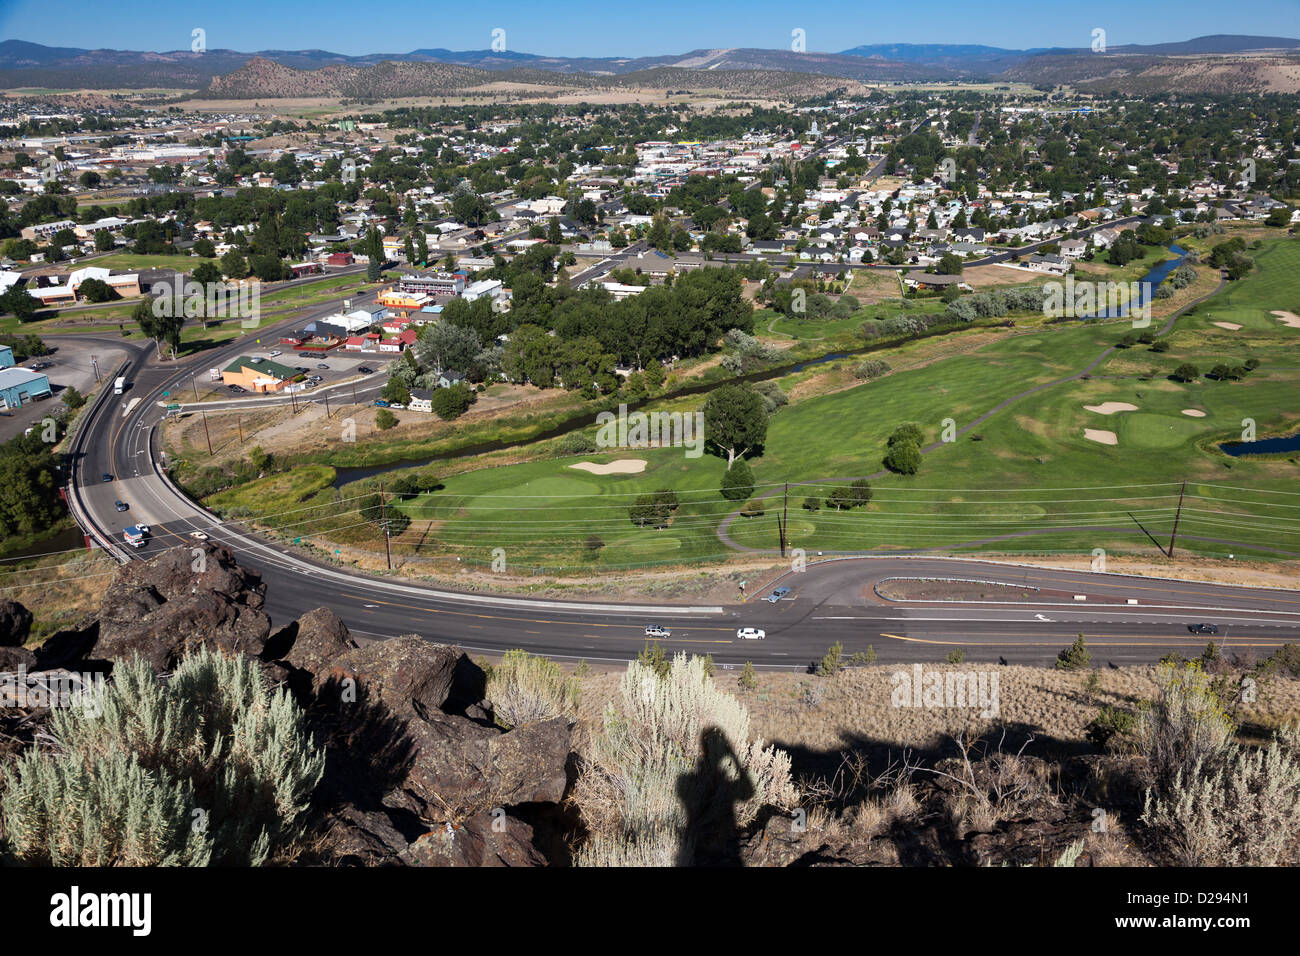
(1224,63)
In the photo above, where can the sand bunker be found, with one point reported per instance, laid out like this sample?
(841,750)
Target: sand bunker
(1288,319)
(1109,408)
(627,466)
(1230,326)
(1101,436)
(1194,412)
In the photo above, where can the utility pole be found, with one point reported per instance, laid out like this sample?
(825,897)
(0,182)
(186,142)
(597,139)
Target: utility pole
(785,517)
(205,431)
(1178,514)
(196,385)
(383,520)
(327,406)
(95,365)
(240,420)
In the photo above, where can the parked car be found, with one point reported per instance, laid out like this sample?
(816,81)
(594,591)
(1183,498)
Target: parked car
(776,595)
(381,403)
(300,368)
(274,352)
(236,388)
(1203,628)
(396,405)
(322,365)
(107,476)
(654,630)
(120,505)
(750,634)
(198,536)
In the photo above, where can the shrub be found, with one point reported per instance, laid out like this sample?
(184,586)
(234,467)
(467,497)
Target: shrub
(655,658)
(121,786)
(1160,345)
(1110,724)
(956,657)
(812,504)
(738,481)
(673,769)
(1240,808)
(450,403)
(832,661)
(908,432)
(1184,726)
(1074,657)
(904,458)
(384,419)
(527,689)
(872,369)
(748,680)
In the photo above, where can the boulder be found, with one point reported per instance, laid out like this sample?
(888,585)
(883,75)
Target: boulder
(15,623)
(318,638)
(409,675)
(184,598)
(12,658)
(356,837)
(485,839)
(458,768)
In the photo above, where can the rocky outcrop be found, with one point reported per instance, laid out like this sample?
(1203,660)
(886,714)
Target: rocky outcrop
(15,623)
(186,597)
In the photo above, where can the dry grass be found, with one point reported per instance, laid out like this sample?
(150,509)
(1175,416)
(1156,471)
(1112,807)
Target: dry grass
(1051,704)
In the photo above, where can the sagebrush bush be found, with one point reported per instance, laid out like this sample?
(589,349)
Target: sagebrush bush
(210,766)
(1239,808)
(1184,726)
(675,755)
(526,689)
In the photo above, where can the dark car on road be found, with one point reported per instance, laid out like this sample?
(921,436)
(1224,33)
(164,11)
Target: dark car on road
(1203,628)
(776,595)
(107,476)
(121,505)
(363,370)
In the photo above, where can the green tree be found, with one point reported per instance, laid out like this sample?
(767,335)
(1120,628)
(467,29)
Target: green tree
(384,419)
(738,482)
(735,420)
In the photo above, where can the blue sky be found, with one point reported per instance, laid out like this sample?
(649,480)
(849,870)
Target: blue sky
(610,27)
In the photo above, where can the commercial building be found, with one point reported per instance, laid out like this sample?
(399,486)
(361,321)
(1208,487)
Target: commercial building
(257,374)
(18,386)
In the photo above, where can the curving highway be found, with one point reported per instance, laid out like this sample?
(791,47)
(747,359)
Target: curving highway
(1125,619)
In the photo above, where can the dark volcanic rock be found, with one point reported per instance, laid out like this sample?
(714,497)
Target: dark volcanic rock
(356,837)
(409,675)
(318,637)
(460,768)
(485,839)
(15,623)
(11,658)
(184,598)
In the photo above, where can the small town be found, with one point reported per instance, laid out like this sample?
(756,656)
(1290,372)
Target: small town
(557,447)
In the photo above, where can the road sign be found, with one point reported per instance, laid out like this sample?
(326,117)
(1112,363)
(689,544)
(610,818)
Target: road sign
(165,394)
(174,407)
